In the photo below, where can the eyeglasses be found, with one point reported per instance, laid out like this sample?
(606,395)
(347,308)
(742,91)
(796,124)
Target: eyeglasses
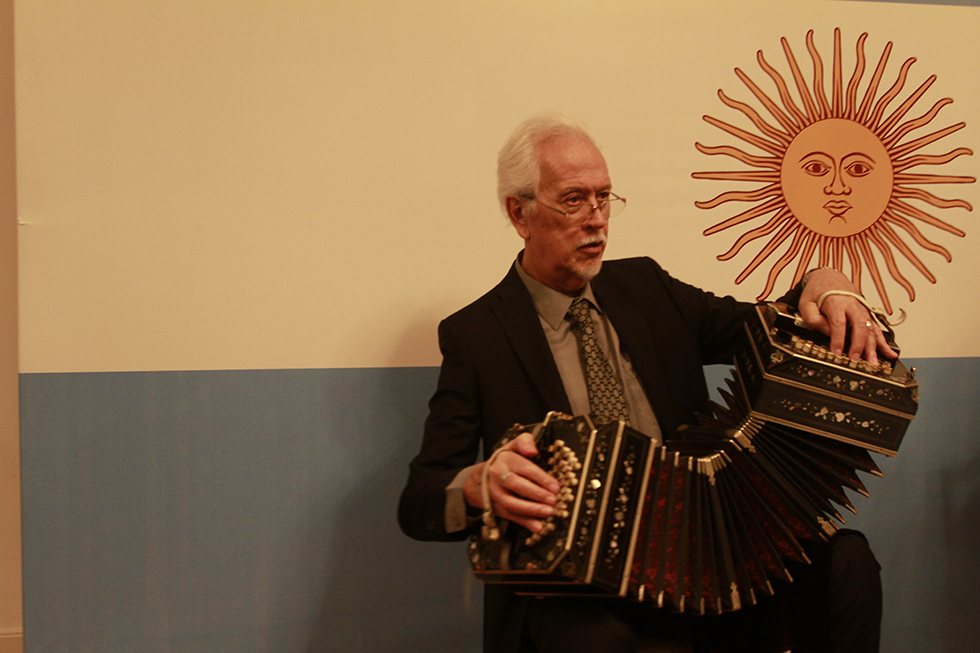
(577,208)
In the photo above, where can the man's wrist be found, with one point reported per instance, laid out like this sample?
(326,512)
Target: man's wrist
(806,277)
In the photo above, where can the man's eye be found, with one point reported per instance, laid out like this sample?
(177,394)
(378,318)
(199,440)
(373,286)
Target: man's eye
(603,196)
(574,201)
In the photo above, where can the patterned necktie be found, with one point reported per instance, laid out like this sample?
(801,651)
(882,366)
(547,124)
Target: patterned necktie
(605,391)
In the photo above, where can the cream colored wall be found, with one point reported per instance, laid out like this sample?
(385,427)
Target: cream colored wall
(206,185)
(11,613)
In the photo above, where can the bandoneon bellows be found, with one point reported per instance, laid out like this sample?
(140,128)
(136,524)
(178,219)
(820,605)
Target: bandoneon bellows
(707,521)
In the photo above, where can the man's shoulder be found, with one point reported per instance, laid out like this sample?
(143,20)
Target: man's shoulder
(512,294)
(638,269)
(635,263)
(510,289)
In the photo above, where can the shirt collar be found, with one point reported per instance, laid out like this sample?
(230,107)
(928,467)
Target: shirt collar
(552,305)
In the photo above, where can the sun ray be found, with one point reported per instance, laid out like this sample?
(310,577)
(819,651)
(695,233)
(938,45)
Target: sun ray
(926,196)
(757,120)
(776,112)
(852,86)
(794,248)
(808,102)
(838,251)
(755,212)
(758,161)
(862,243)
(917,236)
(893,270)
(889,95)
(838,77)
(869,94)
(826,251)
(907,252)
(812,241)
(903,108)
(857,268)
(936,179)
(912,125)
(773,244)
(899,207)
(751,139)
(836,182)
(902,150)
(933,159)
(798,117)
(740,196)
(761,175)
(818,88)
(828,247)
(758,232)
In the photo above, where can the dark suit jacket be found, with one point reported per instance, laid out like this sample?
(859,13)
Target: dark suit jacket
(498,370)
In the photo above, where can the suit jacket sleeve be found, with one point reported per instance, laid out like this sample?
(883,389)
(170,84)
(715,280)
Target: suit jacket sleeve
(497,370)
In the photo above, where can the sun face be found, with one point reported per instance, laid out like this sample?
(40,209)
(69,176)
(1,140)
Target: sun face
(835,175)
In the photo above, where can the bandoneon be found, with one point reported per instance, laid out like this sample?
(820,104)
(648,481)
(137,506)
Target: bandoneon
(707,521)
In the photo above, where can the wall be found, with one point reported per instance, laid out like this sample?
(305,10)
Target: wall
(241,226)
(11,613)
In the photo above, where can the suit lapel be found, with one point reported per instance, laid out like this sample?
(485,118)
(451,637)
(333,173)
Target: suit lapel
(519,320)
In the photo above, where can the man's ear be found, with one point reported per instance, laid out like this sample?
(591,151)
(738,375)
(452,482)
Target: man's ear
(517,213)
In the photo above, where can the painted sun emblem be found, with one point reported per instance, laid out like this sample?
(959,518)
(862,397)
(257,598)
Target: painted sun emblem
(836,174)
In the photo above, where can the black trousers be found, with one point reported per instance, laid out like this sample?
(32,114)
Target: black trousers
(833,605)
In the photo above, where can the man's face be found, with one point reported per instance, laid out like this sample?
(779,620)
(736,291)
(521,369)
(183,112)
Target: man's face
(559,251)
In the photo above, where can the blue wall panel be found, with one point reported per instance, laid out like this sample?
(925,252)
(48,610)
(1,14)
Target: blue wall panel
(231,511)
(255,510)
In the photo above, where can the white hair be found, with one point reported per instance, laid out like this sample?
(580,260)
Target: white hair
(518,167)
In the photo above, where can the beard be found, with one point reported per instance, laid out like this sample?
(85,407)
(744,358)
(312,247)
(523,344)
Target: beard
(588,269)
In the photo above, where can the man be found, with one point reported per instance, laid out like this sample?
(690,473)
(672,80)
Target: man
(513,355)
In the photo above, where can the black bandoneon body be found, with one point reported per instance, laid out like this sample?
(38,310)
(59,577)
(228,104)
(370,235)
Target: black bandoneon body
(705,522)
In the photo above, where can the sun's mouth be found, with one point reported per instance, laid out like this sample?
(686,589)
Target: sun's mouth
(837,207)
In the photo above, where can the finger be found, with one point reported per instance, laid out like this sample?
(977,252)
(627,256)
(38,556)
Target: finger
(515,508)
(878,346)
(884,347)
(531,488)
(864,342)
(516,459)
(524,444)
(531,524)
(814,318)
(871,348)
(837,321)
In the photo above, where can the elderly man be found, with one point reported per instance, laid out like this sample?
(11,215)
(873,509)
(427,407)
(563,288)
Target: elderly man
(513,355)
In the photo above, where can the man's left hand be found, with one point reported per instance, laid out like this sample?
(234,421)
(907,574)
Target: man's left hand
(839,312)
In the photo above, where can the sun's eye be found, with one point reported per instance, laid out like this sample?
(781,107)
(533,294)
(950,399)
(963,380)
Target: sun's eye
(816,168)
(859,169)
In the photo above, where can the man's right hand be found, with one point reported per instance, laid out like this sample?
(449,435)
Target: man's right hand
(520,490)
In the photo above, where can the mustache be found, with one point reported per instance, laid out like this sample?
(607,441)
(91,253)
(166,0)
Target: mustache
(592,240)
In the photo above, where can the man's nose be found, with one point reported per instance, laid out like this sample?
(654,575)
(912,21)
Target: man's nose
(595,218)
